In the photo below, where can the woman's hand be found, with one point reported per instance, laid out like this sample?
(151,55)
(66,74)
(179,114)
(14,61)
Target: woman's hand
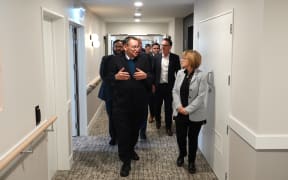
(182,110)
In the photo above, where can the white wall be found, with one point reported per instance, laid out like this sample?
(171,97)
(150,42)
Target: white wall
(22,80)
(273,84)
(93,24)
(171,32)
(258,98)
(257,101)
(247,33)
(256,34)
(178,36)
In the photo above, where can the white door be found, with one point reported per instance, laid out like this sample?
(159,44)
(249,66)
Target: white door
(50,92)
(215,45)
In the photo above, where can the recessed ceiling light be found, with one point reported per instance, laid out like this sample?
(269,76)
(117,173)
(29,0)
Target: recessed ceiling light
(137,14)
(138,4)
(137,20)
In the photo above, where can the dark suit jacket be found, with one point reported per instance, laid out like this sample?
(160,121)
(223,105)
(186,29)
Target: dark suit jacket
(105,92)
(130,94)
(174,66)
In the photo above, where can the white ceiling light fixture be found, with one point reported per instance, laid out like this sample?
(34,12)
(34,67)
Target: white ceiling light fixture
(137,12)
(137,19)
(138,4)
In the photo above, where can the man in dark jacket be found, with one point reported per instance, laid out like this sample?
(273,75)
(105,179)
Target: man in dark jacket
(166,66)
(131,85)
(105,92)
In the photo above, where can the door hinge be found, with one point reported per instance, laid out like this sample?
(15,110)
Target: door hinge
(198,34)
(229,80)
(227,129)
(231,29)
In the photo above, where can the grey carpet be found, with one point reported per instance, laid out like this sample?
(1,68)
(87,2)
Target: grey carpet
(95,159)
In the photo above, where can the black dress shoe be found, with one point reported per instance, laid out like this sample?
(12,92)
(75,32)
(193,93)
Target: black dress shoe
(135,156)
(191,168)
(180,161)
(169,132)
(125,169)
(112,142)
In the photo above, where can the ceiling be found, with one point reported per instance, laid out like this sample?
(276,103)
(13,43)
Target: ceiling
(152,10)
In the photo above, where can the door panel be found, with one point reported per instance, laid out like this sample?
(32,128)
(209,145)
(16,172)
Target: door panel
(215,45)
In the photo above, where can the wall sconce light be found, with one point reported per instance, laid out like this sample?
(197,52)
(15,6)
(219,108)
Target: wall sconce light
(95,40)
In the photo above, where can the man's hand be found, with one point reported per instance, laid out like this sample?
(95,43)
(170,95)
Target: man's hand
(122,75)
(139,74)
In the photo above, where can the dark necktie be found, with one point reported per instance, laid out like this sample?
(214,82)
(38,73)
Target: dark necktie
(131,65)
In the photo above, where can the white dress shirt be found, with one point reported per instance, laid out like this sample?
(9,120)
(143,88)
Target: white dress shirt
(164,69)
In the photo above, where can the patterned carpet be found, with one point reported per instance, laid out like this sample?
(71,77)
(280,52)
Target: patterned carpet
(95,159)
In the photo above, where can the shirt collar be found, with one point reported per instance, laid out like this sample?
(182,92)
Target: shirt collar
(166,56)
(128,58)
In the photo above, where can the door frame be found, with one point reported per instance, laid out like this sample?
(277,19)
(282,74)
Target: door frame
(57,145)
(81,68)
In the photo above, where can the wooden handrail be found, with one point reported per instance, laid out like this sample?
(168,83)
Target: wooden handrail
(27,140)
(93,84)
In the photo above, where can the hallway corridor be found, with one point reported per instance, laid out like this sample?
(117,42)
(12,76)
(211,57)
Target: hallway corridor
(95,159)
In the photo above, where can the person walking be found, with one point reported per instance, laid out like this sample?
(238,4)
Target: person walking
(131,84)
(105,92)
(189,92)
(167,65)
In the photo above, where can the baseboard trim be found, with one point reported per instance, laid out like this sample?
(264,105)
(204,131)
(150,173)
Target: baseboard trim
(258,141)
(96,114)
(71,161)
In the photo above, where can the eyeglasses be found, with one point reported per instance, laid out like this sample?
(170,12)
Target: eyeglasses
(165,45)
(134,47)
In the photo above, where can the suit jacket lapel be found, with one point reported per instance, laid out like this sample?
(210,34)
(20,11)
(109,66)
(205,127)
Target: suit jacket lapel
(195,75)
(125,63)
(159,61)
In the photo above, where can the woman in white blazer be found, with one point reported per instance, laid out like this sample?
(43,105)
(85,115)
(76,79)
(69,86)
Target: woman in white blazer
(189,92)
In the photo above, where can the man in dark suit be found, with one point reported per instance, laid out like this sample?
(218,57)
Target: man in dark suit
(105,92)
(166,66)
(155,51)
(131,85)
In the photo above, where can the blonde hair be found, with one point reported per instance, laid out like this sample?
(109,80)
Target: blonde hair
(194,58)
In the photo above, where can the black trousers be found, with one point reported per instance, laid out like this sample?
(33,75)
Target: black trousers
(112,128)
(163,93)
(127,126)
(186,128)
(152,104)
